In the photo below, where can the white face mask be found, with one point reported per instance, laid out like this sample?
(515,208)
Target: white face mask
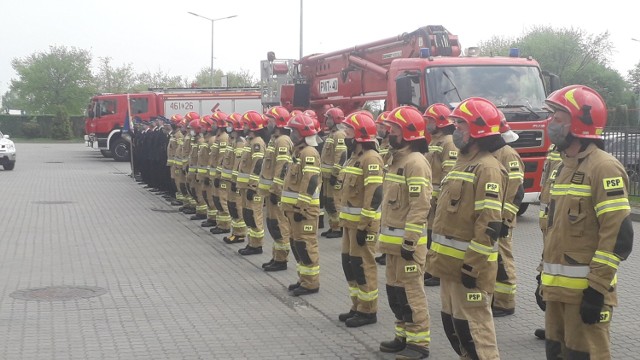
(509,136)
(193,133)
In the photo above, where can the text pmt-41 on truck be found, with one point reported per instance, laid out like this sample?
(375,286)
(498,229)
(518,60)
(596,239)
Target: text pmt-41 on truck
(106,113)
(419,69)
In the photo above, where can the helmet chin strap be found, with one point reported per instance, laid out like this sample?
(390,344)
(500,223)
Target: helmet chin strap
(566,143)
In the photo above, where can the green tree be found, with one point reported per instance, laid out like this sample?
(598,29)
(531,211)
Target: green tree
(497,46)
(633,79)
(159,79)
(242,78)
(60,77)
(110,79)
(61,126)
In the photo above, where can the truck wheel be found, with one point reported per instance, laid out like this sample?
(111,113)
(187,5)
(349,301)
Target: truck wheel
(106,153)
(523,208)
(120,150)
(9,165)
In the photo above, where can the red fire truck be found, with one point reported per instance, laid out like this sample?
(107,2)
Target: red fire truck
(421,68)
(106,112)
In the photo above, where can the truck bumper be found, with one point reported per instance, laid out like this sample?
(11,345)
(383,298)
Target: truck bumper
(531,198)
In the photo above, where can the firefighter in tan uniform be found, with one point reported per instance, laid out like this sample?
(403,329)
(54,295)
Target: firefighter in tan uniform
(277,156)
(208,188)
(301,204)
(175,143)
(589,230)
(403,233)
(189,203)
(382,136)
(549,171)
(229,176)
(464,248)
(192,167)
(202,168)
(333,156)
(504,296)
(219,193)
(249,176)
(442,156)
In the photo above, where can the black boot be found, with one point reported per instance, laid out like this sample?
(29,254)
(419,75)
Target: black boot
(249,250)
(333,234)
(413,352)
(500,312)
(361,319)
(345,316)
(395,345)
(268,263)
(431,280)
(276,266)
(300,290)
(233,239)
(540,334)
(176,203)
(293,286)
(198,217)
(382,259)
(217,230)
(208,223)
(189,211)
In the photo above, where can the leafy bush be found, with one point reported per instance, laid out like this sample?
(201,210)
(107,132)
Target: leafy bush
(30,129)
(61,126)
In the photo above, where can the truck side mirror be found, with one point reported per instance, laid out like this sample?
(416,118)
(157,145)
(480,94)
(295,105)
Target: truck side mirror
(404,90)
(554,81)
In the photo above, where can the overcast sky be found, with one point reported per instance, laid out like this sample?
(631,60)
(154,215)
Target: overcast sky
(161,35)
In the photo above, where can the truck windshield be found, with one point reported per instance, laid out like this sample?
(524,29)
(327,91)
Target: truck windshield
(519,89)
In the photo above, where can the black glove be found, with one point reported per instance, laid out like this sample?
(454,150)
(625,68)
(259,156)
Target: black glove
(541,303)
(233,187)
(216,183)
(207,181)
(591,306)
(250,194)
(333,180)
(468,281)
(504,231)
(297,217)
(361,237)
(274,199)
(407,254)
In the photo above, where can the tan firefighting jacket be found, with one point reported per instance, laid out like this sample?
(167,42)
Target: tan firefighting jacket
(172,146)
(334,153)
(468,220)
(552,161)
(193,155)
(302,182)
(511,161)
(239,149)
(406,203)
(277,154)
(203,157)
(360,191)
(383,150)
(177,154)
(217,152)
(251,164)
(184,154)
(588,230)
(442,156)
(228,160)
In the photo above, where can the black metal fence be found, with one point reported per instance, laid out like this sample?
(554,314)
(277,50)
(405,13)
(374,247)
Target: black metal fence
(624,144)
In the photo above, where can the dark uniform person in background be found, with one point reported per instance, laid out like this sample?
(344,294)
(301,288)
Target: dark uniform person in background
(301,204)
(589,230)
(276,159)
(442,156)
(359,196)
(248,179)
(504,297)
(332,157)
(468,224)
(403,233)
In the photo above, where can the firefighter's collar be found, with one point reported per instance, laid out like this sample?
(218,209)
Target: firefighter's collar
(573,162)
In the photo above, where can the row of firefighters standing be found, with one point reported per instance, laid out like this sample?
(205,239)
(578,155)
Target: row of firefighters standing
(444,210)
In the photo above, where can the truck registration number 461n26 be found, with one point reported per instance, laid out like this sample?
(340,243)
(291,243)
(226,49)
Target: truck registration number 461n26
(329,86)
(181,105)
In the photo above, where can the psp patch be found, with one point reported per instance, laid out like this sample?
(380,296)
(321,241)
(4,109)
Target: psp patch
(415,190)
(605,316)
(307,228)
(514,165)
(474,297)
(374,167)
(410,268)
(223,186)
(613,183)
(282,150)
(340,141)
(453,154)
(309,160)
(223,144)
(492,187)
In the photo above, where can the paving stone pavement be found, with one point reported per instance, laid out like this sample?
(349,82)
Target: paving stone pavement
(174,291)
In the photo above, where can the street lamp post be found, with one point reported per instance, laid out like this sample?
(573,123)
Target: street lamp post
(212,22)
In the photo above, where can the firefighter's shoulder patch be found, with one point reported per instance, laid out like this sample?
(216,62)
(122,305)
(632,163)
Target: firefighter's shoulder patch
(453,154)
(256,147)
(373,167)
(282,149)
(340,141)
(492,187)
(474,296)
(223,143)
(514,165)
(309,159)
(410,268)
(613,183)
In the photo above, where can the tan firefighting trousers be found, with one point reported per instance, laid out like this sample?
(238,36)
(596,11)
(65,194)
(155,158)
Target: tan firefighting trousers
(405,291)
(181,184)
(569,338)
(201,207)
(239,228)
(430,219)
(176,176)
(191,187)
(330,204)
(219,199)
(278,227)
(252,215)
(304,245)
(359,266)
(468,321)
(504,296)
